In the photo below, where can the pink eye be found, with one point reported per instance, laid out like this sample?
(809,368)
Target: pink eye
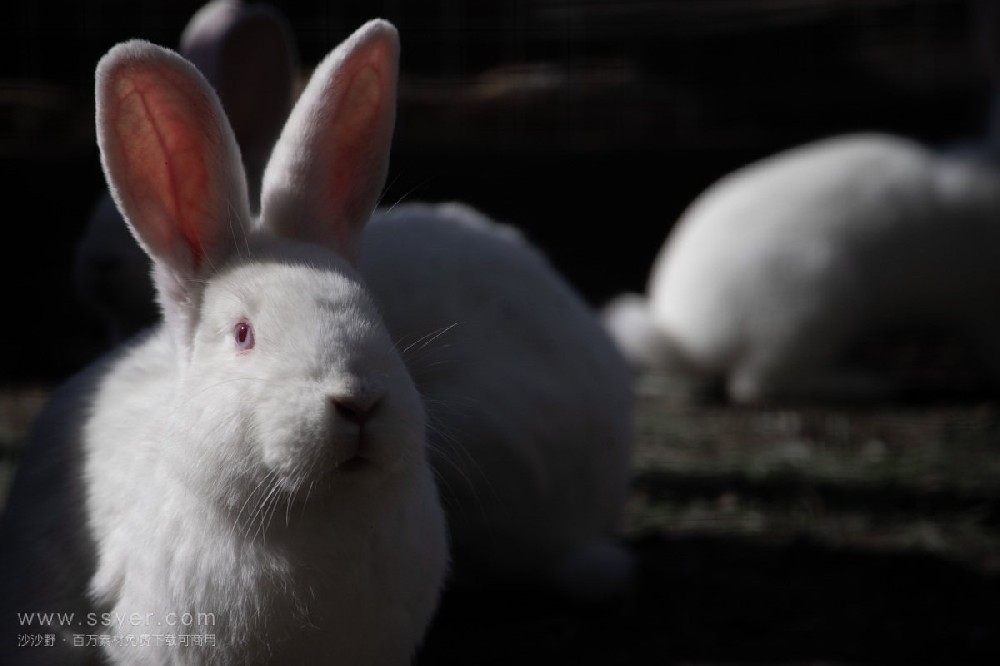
(244,336)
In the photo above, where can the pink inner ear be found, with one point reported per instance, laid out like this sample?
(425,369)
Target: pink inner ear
(355,140)
(163,148)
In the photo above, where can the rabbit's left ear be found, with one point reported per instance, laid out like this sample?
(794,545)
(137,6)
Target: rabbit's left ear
(328,168)
(172,166)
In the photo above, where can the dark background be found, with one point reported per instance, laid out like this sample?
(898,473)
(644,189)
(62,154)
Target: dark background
(590,125)
(761,536)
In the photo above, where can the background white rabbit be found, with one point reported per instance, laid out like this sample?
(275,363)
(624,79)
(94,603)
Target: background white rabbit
(529,402)
(261,455)
(248,55)
(783,271)
(812,274)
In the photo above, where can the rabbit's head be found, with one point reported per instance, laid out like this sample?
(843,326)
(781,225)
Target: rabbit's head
(283,358)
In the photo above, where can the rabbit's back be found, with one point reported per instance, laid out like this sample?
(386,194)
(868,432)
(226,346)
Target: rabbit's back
(528,400)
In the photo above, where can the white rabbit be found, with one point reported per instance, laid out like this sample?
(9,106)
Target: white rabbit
(261,455)
(626,316)
(248,54)
(529,403)
(782,271)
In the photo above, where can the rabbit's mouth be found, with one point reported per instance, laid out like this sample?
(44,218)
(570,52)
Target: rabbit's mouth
(354,463)
(353,441)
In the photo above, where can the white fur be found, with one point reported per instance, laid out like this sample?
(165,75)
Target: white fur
(248,55)
(529,402)
(200,478)
(777,270)
(627,319)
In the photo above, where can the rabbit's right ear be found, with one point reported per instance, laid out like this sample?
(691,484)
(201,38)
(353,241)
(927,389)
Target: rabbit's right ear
(328,168)
(171,163)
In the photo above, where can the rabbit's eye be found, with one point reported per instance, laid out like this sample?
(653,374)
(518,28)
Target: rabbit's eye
(243,333)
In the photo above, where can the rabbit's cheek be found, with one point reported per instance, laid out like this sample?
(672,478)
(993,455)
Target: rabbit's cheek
(285,436)
(301,438)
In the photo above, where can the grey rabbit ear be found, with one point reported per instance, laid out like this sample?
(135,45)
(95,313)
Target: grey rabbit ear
(247,52)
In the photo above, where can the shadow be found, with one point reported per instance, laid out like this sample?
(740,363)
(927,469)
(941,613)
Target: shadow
(736,600)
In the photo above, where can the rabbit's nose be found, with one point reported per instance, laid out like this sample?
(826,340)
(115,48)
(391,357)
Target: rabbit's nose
(355,408)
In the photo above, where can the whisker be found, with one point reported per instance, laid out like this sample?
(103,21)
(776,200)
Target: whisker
(251,494)
(428,338)
(261,511)
(406,194)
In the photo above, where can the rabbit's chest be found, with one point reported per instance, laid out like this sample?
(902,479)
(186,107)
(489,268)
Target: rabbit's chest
(188,572)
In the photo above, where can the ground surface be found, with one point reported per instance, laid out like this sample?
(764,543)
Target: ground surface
(783,536)
(765,536)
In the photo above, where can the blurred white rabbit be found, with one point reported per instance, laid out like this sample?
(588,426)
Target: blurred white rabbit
(260,456)
(246,51)
(782,272)
(812,274)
